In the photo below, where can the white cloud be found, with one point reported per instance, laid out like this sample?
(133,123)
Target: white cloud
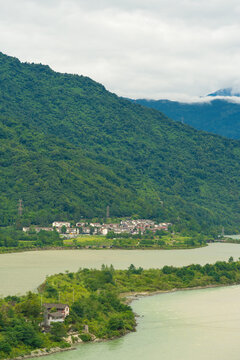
(152,49)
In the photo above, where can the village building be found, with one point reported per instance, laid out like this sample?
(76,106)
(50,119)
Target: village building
(72,231)
(59,224)
(104,231)
(96,225)
(37,228)
(80,224)
(55,313)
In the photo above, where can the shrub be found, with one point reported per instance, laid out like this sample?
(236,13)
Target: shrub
(85,337)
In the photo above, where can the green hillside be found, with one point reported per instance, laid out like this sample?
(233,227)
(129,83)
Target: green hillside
(69,148)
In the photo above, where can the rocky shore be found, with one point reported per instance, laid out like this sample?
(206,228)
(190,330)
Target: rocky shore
(42,352)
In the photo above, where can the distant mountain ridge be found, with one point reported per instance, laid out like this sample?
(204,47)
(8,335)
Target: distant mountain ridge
(217,116)
(225,92)
(69,148)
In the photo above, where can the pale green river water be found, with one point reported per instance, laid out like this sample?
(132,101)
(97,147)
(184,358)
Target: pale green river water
(186,325)
(199,324)
(24,271)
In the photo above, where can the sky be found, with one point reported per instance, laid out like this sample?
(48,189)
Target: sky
(155,49)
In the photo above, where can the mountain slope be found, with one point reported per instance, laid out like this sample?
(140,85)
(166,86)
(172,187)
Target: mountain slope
(216,116)
(69,148)
(225,92)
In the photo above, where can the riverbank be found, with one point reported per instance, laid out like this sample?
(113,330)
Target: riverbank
(12,240)
(42,352)
(129,297)
(20,250)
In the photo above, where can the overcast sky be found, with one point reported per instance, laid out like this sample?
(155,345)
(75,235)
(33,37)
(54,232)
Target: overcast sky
(140,49)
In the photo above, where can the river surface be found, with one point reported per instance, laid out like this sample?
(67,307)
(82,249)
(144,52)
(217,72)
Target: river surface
(25,271)
(185,325)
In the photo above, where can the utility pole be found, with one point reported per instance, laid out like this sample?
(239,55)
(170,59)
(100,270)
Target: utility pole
(223,232)
(108,212)
(20,207)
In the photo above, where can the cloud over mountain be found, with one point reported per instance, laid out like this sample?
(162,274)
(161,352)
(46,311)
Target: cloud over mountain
(155,49)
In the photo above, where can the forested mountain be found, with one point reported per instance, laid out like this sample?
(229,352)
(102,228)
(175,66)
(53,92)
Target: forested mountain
(69,148)
(217,116)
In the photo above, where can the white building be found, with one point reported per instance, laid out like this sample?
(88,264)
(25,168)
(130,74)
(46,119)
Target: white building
(55,313)
(59,224)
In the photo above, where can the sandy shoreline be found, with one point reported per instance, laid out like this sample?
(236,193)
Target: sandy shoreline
(131,296)
(19,250)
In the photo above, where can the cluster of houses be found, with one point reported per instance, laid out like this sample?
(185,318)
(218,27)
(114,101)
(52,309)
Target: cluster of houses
(62,227)
(125,226)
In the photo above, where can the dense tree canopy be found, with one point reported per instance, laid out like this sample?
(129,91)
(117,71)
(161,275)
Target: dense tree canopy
(69,148)
(217,116)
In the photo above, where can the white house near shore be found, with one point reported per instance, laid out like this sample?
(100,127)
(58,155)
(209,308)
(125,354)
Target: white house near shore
(55,313)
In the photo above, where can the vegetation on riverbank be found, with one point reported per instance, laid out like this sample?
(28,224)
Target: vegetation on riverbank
(160,240)
(231,240)
(12,240)
(95,301)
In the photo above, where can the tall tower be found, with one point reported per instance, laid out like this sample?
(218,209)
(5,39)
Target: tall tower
(108,212)
(20,207)
(223,231)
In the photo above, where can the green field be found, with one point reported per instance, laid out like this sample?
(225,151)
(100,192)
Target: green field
(88,240)
(168,241)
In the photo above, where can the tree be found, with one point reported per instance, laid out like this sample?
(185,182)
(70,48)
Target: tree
(5,347)
(31,306)
(63,229)
(58,331)
(116,323)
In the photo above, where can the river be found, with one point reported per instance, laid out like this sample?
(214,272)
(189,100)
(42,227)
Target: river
(20,272)
(199,324)
(186,325)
